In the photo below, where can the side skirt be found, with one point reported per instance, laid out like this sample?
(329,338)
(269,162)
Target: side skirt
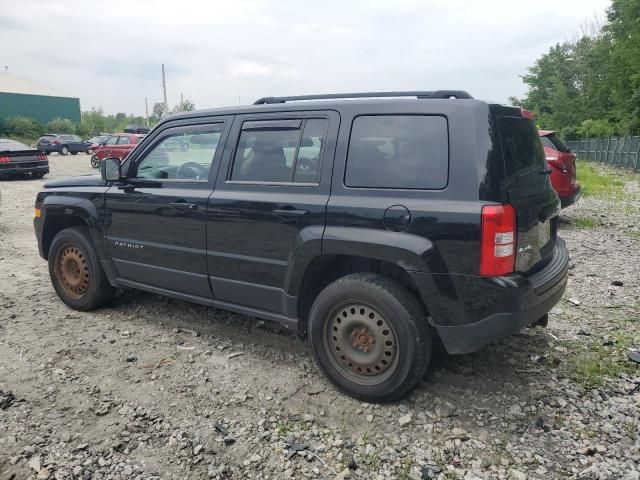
(287,322)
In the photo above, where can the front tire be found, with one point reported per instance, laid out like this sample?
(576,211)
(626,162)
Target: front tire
(95,161)
(64,150)
(370,336)
(75,271)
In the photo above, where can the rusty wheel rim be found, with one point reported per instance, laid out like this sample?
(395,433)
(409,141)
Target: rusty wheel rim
(362,343)
(72,271)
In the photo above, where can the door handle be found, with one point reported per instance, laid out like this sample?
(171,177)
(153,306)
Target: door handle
(290,212)
(184,206)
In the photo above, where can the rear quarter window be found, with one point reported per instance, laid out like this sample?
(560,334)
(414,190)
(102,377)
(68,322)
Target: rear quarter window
(521,145)
(398,151)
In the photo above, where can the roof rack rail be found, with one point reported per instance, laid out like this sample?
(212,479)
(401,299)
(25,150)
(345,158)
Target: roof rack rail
(437,94)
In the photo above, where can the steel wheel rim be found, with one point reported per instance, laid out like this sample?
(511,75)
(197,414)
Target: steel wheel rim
(361,343)
(72,271)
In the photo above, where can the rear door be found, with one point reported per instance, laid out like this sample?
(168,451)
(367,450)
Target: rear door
(269,204)
(527,188)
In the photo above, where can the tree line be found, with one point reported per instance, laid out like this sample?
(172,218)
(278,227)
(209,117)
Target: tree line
(590,86)
(93,122)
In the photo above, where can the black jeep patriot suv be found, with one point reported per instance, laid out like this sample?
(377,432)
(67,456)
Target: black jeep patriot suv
(372,222)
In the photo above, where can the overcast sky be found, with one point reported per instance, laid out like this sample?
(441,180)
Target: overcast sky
(216,53)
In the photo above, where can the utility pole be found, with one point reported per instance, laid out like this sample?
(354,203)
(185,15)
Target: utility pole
(164,90)
(181,100)
(146,110)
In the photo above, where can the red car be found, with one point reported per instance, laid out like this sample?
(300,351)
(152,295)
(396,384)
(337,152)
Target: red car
(563,168)
(117,146)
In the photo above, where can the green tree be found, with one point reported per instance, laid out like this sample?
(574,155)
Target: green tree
(590,85)
(61,125)
(185,105)
(22,127)
(160,110)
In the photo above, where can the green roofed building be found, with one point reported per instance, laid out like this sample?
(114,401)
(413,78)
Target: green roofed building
(22,97)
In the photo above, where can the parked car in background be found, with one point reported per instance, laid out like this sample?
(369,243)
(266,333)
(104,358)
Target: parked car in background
(117,146)
(562,163)
(63,144)
(96,142)
(18,159)
(137,129)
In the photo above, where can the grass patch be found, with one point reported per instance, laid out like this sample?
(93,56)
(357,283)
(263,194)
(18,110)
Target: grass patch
(597,183)
(585,222)
(591,367)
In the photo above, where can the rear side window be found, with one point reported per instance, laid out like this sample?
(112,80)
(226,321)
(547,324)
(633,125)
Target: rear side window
(398,151)
(280,151)
(552,141)
(521,145)
(123,141)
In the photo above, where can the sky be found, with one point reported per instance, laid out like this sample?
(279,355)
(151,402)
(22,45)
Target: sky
(109,53)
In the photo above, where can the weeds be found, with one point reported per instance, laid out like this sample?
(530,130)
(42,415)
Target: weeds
(585,222)
(596,182)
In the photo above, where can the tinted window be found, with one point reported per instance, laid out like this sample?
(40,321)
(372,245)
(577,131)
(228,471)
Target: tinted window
(521,145)
(124,140)
(184,155)
(111,140)
(398,151)
(546,142)
(280,151)
(552,141)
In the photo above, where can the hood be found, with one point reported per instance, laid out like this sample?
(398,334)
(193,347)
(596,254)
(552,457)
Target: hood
(81,181)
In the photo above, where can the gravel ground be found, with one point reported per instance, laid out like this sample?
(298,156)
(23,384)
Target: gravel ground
(158,388)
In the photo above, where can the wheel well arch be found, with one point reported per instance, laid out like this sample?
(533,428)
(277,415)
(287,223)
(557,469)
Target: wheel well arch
(54,224)
(325,269)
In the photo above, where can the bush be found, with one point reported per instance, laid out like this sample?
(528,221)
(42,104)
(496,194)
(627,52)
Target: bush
(596,129)
(61,125)
(23,127)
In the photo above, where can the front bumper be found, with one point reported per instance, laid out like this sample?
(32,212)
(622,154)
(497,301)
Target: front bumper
(484,309)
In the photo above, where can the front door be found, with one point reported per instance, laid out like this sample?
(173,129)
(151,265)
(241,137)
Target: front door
(270,198)
(156,229)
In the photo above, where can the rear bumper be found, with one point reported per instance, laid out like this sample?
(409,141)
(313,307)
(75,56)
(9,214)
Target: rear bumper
(27,167)
(505,304)
(568,200)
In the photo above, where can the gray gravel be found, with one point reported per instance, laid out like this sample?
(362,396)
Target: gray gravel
(157,388)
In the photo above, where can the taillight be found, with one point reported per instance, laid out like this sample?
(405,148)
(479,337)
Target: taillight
(5,159)
(55,142)
(42,156)
(559,164)
(498,240)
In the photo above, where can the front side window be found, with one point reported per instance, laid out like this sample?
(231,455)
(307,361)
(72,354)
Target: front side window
(280,151)
(184,155)
(123,140)
(398,151)
(111,140)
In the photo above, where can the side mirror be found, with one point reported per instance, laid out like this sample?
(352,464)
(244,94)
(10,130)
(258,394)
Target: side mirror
(111,170)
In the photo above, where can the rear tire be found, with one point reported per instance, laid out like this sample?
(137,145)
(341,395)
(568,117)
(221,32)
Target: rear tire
(37,175)
(64,150)
(75,271)
(370,336)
